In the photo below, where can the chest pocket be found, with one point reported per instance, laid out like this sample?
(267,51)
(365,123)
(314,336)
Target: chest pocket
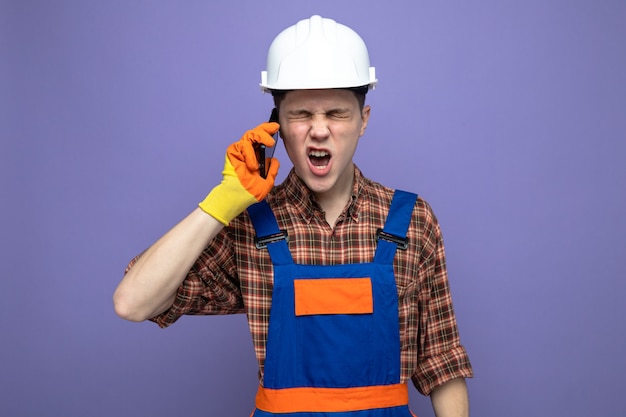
(334,322)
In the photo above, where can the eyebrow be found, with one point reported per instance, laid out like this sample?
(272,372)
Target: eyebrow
(339,110)
(297,112)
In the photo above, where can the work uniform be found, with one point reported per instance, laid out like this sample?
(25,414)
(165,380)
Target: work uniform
(333,344)
(232,276)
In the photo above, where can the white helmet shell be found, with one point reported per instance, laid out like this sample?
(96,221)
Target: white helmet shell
(317,53)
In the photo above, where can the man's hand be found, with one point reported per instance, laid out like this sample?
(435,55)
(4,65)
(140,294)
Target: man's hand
(242,184)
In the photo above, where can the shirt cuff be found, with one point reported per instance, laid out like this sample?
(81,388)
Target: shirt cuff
(172,314)
(183,303)
(437,370)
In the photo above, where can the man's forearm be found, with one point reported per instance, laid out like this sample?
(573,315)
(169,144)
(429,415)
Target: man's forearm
(150,285)
(451,399)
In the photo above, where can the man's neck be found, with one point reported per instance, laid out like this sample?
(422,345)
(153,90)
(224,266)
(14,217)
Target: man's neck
(334,201)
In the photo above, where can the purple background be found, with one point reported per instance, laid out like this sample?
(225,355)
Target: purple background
(509,117)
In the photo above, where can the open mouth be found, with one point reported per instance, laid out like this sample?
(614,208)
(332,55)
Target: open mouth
(319,159)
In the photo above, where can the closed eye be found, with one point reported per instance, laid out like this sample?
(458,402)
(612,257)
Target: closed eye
(299,115)
(339,114)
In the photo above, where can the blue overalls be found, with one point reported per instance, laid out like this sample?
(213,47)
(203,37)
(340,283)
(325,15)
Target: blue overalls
(333,344)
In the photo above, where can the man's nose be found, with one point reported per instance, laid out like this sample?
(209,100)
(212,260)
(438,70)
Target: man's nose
(319,127)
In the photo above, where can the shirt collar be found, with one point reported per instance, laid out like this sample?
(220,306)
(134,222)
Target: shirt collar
(302,200)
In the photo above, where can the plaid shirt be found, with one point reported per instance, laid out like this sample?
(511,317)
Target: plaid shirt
(232,276)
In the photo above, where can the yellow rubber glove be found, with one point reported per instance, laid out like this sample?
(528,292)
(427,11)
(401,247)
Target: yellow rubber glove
(242,184)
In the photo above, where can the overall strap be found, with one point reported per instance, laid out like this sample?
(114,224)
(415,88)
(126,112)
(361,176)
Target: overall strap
(393,235)
(268,235)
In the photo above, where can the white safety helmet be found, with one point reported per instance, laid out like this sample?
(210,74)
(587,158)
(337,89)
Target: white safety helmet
(317,53)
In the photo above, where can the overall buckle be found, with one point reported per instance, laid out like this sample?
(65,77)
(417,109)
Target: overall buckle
(262,242)
(402,242)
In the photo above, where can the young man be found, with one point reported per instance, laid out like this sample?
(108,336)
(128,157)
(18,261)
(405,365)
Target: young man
(343,280)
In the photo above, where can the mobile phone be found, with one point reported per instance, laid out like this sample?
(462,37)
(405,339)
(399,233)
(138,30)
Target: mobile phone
(265,153)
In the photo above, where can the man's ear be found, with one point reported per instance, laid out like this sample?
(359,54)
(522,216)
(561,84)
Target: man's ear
(365,117)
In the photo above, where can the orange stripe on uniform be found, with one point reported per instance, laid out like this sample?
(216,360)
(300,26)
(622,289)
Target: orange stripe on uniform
(333,296)
(320,400)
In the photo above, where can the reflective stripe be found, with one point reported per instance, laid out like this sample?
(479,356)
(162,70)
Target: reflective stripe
(320,400)
(333,296)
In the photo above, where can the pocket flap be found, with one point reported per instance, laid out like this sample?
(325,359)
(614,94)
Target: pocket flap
(333,296)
